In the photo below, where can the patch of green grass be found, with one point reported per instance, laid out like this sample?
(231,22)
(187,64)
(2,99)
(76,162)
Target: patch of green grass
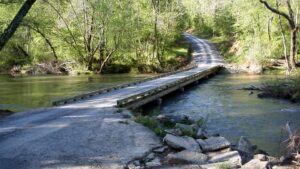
(288,88)
(201,122)
(224,45)
(225,166)
(151,123)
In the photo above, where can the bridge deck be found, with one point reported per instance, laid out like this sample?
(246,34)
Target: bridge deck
(88,133)
(206,61)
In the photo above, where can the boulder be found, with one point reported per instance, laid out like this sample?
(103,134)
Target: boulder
(170,118)
(256,164)
(154,163)
(245,146)
(214,153)
(182,143)
(204,166)
(187,157)
(261,157)
(283,167)
(232,157)
(150,157)
(187,129)
(201,134)
(176,132)
(160,150)
(213,143)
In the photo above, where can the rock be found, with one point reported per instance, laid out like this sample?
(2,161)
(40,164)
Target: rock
(204,166)
(182,143)
(214,153)
(150,157)
(246,149)
(271,159)
(201,134)
(187,157)
(220,165)
(170,118)
(213,143)
(154,163)
(283,167)
(189,130)
(255,164)
(232,157)
(245,146)
(176,132)
(137,163)
(261,157)
(4,113)
(160,150)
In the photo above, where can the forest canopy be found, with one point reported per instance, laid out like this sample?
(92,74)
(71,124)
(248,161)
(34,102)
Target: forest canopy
(97,34)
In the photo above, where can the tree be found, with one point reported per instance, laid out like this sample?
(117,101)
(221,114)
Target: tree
(15,23)
(293,25)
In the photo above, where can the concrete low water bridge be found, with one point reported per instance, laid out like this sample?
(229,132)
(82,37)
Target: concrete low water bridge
(87,131)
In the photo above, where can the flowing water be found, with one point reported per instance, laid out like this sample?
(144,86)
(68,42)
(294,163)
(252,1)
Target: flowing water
(234,113)
(22,93)
(229,112)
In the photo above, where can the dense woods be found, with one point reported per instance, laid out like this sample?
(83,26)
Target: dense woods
(105,35)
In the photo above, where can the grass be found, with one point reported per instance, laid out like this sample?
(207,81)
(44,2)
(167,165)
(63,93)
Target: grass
(288,88)
(151,123)
(225,166)
(224,45)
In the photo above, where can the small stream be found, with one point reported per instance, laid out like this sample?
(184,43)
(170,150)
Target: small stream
(234,113)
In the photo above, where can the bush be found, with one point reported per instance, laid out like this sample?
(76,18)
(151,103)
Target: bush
(282,88)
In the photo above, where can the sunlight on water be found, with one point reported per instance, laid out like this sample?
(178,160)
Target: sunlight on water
(22,93)
(234,113)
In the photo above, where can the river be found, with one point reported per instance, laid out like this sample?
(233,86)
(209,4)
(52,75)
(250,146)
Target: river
(27,92)
(234,113)
(229,112)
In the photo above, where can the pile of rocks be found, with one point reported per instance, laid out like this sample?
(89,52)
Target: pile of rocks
(202,151)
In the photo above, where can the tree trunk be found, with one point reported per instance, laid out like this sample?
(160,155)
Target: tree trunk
(293,48)
(15,23)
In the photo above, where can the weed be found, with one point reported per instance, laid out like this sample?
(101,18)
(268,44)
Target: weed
(225,166)
(151,123)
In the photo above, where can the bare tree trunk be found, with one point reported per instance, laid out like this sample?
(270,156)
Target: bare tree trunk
(293,24)
(46,39)
(293,48)
(287,62)
(15,23)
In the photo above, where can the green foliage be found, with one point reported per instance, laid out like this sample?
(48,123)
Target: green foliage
(102,35)
(98,35)
(151,123)
(283,88)
(225,166)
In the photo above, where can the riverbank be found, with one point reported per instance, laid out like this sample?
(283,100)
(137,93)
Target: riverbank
(187,144)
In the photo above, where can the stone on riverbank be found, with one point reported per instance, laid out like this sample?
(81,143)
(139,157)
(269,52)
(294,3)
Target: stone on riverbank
(232,157)
(245,146)
(187,157)
(246,149)
(213,143)
(182,143)
(255,164)
(189,130)
(201,134)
